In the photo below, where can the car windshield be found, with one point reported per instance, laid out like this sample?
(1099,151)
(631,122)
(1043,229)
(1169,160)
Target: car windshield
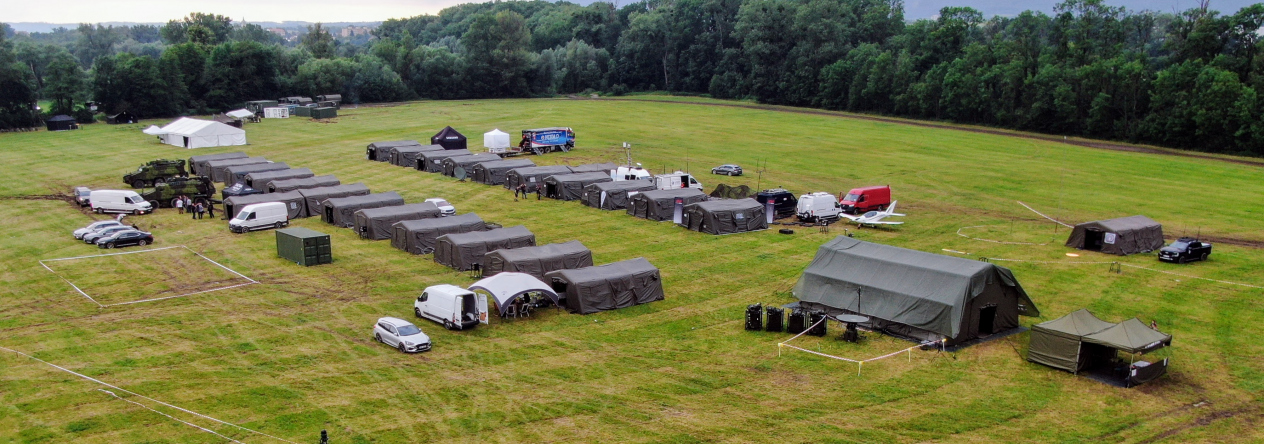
(84,193)
(1179,245)
(851,197)
(441,203)
(407,330)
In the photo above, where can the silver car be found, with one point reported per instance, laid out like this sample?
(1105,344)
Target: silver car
(401,334)
(95,227)
(91,238)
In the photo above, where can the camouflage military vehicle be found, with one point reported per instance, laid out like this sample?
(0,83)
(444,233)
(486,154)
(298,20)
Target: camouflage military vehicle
(155,172)
(198,188)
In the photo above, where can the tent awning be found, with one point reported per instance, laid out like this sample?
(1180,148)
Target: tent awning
(505,287)
(1131,336)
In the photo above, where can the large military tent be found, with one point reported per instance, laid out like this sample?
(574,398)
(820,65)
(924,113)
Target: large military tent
(614,195)
(432,161)
(538,260)
(464,251)
(493,172)
(237,173)
(660,205)
(913,294)
(381,151)
(1058,343)
(375,223)
(449,138)
(594,167)
(466,163)
(216,168)
(283,185)
(571,186)
(533,177)
(407,156)
(194,133)
(197,164)
(259,179)
(314,198)
(607,287)
(292,199)
(1123,236)
(418,236)
(725,216)
(340,211)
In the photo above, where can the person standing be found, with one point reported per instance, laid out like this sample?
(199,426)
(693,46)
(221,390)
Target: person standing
(201,207)
(180,204)
(210,209)
(193,211)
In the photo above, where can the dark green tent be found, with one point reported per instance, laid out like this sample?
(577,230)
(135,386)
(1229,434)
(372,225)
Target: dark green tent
(1122,236)
(1130,336)
(1057,343)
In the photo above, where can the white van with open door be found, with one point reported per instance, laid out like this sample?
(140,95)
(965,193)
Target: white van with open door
(675,181)
(453,306)
(118,201)
(260,216)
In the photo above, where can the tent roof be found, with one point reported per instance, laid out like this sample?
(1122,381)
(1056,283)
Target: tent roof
(189,127)
(447,132)
(579,177)
(546,169)
(495,132)
(153,130)
(505,287)
(61,118)
(331,190)
(604,273)
(591,167)
(1078,323)
(239,113)
(745,204)
(489,236)
(672,193)
(366,199)
(1130,336)
(416,148)
(507,163)
(631,185)
(441,222)
(392,143)
(541,251)
(398,210)
(474,157)
(1124,224)
(432,155)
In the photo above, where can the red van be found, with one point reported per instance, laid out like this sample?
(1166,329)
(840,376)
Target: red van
(862,200)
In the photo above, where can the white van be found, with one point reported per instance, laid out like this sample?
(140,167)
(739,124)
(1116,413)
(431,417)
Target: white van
(452,306)
(818,206)
(676,180)
(629,173)
(260,216)
(118,201)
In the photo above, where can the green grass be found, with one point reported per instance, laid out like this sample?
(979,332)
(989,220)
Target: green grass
(293,355)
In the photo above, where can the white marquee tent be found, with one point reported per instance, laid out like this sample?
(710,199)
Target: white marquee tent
(507,286)
(496,139)
(239,114)
(194,133)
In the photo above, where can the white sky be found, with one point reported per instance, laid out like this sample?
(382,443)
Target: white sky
(95,11)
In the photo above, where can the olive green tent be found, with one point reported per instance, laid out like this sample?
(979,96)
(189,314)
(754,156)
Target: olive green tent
(1130,336)
(571,186)
(450,164)
(1058,343)
(533,177)
(465,251)
(660,205)
(608,287)
(432,161)
(614,195)
(494,172)
(724,216)
(1122,236)
(407,156)
(381,151)
(538,260)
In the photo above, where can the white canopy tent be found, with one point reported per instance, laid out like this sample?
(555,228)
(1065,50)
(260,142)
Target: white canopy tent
(507,286)
(153,130)
(496,139)
(239,114)
(194,133)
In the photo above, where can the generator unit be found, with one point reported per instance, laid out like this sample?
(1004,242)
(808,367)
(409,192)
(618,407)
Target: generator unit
(776,319)
(755,317)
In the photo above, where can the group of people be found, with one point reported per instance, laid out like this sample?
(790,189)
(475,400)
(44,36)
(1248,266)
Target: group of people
(197,209)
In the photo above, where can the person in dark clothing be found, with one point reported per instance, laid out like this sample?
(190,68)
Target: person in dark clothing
(210,209)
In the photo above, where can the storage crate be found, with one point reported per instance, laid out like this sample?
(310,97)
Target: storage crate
(324,113)
(303,246)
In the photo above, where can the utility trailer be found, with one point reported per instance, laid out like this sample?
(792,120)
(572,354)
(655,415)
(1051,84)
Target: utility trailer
(540,141)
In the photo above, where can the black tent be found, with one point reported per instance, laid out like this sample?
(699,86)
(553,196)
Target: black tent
(571,186)
(533,177)
(614,195)
(449,138)
(407,156)
(375,223)
(432,161)
(61,122)
(493,172)
(314,198)
(260,179)
(912,294)
(466,162)
(1122,236)
(418,236)
(237,173)
(594,167)
(538,260)
(725,216)
(121,118)
(283,185)
(380,151)
(340,211)
(607,287)
(464,251)
(215,169)
(661,204)
(293,203)
(197,164)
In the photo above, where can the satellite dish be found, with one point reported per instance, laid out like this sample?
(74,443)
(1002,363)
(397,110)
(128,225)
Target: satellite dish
(459,173)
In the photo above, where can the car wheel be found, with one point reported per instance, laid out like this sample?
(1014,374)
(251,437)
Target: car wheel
(401,347)
(96,210)
(1203,257)
(109,245)
(448,325)
(138,183)
(279,224)
(417,311)
(1180,259)
(142,242)
(153,204)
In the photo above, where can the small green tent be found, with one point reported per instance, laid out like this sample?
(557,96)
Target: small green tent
(1057,343)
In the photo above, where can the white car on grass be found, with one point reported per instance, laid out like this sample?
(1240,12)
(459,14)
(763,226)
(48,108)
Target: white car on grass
(95,227)
(446,208)
(401,334)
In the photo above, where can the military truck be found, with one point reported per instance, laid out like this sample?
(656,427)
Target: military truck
(198,188)
(155,172)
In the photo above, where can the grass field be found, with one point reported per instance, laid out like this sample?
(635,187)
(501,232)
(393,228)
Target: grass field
(294,354)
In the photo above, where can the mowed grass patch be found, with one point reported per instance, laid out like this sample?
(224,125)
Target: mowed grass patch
(133,276)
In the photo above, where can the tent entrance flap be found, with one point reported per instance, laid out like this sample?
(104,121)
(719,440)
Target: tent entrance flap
(1093,239)
(987,320)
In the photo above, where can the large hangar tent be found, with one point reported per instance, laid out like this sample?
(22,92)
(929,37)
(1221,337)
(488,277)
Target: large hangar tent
(449,138)
(608,287)
(594,167)
(283,185)
(407,156)
(219,168)
(259,179)
(340,211)
(1059,343)
(197,164)
(725,216)
(293,203)
(660,205)
(418,236)
(1123,236)
(538,260)
(493,172)
(466,163)
(614,195)
(381,151)
(432,161)
(237,173)
(194,133)
(464,251)
(375,223)
(314,198)
(913,294)
(506,287)
(571,186)
(533,177)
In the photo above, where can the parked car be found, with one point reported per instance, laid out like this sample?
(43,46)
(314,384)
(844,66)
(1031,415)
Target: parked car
(866,199)
(91,238)
(1184,250)
(401,334)
(95,227)
(727,170)
(817,207)
(81,195)
(446,208)
(260,216)
(784,202)
(452,306)
(119,201)
(126,238)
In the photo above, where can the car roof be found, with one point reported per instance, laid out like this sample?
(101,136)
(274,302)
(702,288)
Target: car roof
(394,321)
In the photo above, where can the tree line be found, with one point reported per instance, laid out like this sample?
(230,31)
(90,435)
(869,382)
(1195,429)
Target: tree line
(1186,79)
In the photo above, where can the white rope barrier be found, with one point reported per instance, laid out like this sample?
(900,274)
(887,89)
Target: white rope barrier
(204,429)
(1043,215)
(860,364)
(959,233)
(76,287)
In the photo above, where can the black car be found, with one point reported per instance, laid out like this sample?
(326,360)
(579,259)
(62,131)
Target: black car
(1184,250)
(727,170)
(126,238)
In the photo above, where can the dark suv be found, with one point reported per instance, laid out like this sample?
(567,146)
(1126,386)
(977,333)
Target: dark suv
(1184,250)
(784,202)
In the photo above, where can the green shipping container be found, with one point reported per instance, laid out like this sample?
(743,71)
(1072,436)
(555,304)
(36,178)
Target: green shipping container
(324,113)
(303,246)
(302,111)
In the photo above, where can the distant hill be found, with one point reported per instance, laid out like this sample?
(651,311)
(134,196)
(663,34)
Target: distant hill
(49,27)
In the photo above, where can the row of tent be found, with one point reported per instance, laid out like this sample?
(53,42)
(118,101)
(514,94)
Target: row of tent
(303,193)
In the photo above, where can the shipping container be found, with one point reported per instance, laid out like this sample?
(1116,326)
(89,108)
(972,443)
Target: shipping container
(303,246)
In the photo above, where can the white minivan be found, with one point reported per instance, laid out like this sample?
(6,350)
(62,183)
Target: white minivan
(260,216)
(118,201)
(817,207)
(452,306)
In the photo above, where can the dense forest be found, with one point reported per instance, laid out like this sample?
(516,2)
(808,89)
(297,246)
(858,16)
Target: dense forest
(1187,79)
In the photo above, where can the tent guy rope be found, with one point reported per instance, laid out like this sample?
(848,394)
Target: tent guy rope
(1043,215)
